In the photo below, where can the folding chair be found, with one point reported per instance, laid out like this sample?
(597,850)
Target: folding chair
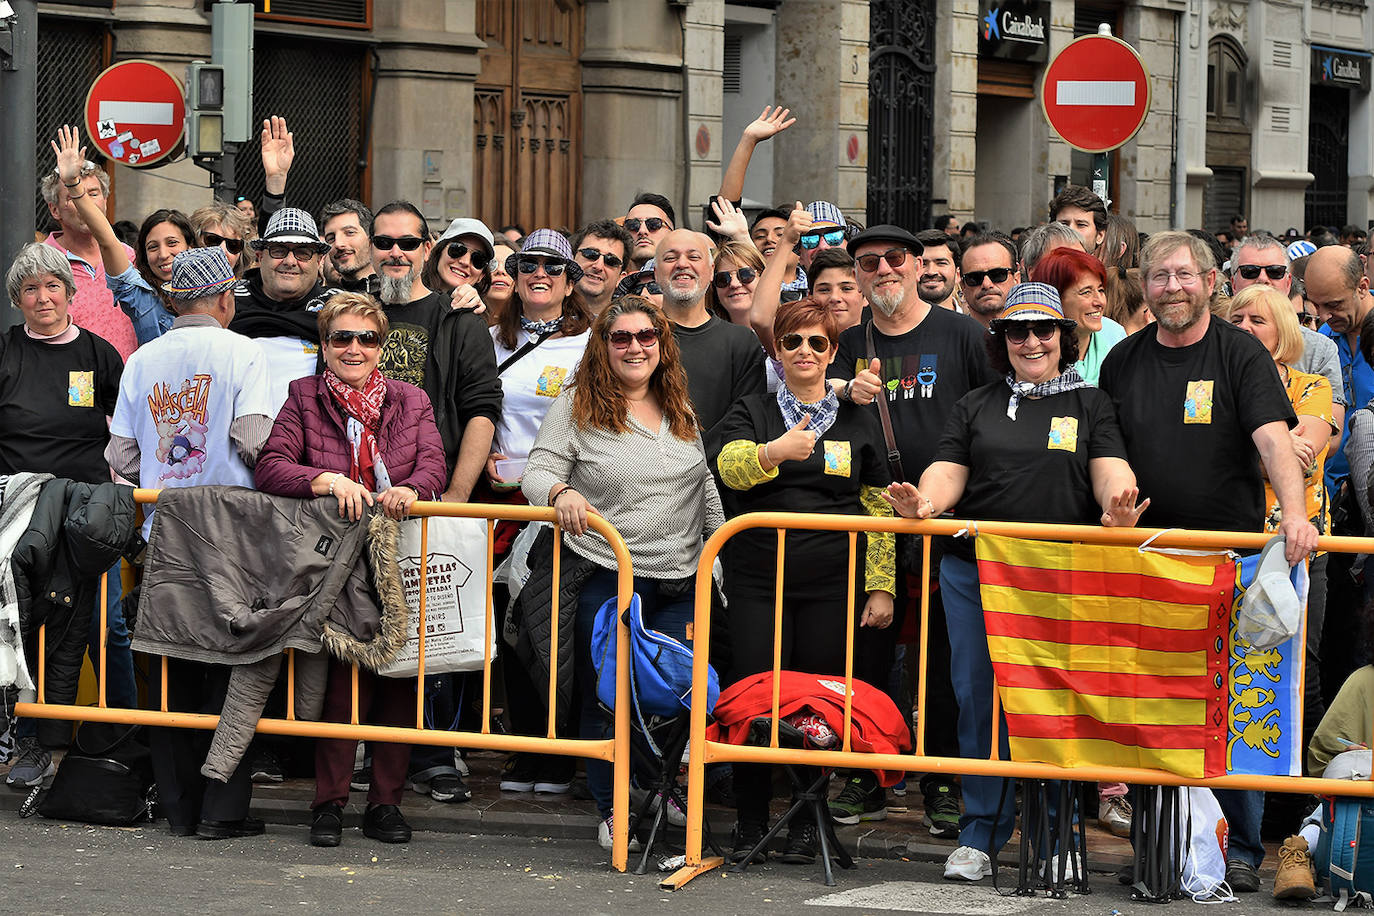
(1053,854)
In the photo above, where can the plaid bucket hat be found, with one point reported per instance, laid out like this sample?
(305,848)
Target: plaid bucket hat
(198,273)
(546,243)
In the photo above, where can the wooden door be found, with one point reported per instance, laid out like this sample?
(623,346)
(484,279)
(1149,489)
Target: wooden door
(528,113)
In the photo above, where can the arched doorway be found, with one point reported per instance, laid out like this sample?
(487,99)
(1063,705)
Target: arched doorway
(1228,134)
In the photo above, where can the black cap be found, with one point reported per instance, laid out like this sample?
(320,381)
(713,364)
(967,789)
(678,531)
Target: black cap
(886,234)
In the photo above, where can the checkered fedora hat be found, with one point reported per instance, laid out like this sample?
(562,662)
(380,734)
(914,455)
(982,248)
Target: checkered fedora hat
(292,226)
(824,213)
(199,272)
(550,244)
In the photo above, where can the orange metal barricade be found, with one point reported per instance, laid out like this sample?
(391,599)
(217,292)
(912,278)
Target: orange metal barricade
(704,752)
(615,749)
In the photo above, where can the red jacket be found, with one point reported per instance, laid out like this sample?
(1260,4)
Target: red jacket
(879,727)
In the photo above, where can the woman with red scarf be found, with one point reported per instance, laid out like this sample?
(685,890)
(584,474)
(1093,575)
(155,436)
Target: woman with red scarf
(353,436)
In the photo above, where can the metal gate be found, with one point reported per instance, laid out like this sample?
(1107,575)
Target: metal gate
(901,118)
(321,89)
(71,54)
(1328,136)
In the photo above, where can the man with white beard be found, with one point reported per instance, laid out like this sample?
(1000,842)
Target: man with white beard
(922,359)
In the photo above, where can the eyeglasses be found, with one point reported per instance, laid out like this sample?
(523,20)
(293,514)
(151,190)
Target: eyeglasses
(996,275)
(369,340)
(746,276)
(819,343)
(590,255)
(648,286)
(1252,271)
(210,240)
(895,257)
(653,224)
(405,242)
(1160,279)
(833,237)
(1017,332)
(647,337)
(1307,319)
(303,253)
(531,265)
(456,250)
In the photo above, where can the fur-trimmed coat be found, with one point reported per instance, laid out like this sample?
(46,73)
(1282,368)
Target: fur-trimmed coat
(236,577)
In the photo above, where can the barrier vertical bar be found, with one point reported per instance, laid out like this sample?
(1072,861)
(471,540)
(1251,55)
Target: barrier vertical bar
(42,661)
(620,766)
(849,642)
(353,720)
(922,677)
(487,631)
(291,684)
(163,704)
(696,744)
(553,629)
(420,659)
(104,625)
(777,641)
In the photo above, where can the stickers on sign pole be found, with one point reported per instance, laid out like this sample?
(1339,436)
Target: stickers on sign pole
(1096,93)
(136,113)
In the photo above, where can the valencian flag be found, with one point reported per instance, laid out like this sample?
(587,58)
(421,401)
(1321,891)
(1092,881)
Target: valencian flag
(1111,656)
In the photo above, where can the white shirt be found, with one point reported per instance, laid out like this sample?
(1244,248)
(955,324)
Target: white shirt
(529,386)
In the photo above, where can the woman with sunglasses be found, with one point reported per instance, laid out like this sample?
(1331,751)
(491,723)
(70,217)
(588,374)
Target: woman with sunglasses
(1039,445)
(1081,281)
(802,450)
(623,442)
(345,435)
(502,284)
(460,259)
(737,271)
(229,228)
(137,287)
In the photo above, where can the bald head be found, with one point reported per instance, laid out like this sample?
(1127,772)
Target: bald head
(682,267)
(1337,286)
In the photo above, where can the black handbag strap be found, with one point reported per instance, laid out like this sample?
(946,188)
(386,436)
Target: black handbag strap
(894,456)
(523,351)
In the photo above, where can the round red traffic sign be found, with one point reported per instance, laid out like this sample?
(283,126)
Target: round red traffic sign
(136,113)
(1096,93)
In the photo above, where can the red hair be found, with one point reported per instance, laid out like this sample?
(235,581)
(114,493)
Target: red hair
(1062,267)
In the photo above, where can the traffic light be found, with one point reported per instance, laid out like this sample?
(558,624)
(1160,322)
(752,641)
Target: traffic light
(204,110)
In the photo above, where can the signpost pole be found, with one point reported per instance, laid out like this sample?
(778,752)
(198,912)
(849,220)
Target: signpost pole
(18,141)
(1102,167)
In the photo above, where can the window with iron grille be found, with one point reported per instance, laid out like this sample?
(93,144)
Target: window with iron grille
(318,86)
(71,54)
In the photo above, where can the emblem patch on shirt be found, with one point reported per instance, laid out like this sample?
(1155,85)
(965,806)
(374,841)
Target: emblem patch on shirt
(81,389)
(837,458)
(1064,433)
(1197,405)
(550,381)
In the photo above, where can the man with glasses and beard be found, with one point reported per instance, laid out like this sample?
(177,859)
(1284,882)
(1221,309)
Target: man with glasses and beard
(446,351)
(988,271)
(921,361)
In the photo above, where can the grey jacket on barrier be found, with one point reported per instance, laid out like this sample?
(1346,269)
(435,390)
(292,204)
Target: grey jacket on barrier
(235,577)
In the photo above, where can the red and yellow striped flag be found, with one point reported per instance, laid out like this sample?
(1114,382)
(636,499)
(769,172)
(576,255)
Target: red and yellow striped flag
(1109,656)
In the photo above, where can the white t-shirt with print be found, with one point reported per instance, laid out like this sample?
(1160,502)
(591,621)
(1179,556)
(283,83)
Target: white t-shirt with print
(529,386)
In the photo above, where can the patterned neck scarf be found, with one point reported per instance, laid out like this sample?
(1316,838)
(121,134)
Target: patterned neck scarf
(822,413)
(1067,381)
(539,328)
(364,411)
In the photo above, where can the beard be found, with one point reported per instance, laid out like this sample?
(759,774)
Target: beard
(937,295)
(1178,316)
(396,290)
(887,302)
(683,298)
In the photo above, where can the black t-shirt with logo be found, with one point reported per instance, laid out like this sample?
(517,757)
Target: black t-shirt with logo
(1187,415)
(926,371)
(1033,468)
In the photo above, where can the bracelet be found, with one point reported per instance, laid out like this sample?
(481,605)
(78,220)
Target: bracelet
(767,456)
(553,502)
(332,482)
(76,196)
(72,185)
(847,393)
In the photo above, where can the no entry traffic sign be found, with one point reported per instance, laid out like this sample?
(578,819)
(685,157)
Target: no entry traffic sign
(1096,93)
(136,113)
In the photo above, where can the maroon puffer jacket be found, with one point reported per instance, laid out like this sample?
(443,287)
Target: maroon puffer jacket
(309,438)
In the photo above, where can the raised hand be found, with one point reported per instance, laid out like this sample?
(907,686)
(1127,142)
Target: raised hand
(278,152)
(769,124)
(1122,511)
(70,157)
(796,444)
(907,501)
(868,384)
(730,223)
(798,223)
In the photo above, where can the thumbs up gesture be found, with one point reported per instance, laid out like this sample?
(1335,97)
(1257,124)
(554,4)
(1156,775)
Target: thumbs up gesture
(868,383)
(794,445)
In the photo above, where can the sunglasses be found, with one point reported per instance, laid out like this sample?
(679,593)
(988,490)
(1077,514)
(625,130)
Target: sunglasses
(303,253)
(648,286)
(590,255)
(653,224)
(233,246)
(746,276)
(1019,331)
(1252,271)
(819,343)
(405,242)
(531,265)
(647,337)
(1307,319)
(996,275)
(895,257)
(833,237)
(369,340)
(456,250)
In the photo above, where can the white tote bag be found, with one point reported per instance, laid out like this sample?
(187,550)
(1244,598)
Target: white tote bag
(455,596)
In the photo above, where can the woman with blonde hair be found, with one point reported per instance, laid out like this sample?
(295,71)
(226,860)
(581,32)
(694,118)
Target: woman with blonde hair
(229,228)
(736,275)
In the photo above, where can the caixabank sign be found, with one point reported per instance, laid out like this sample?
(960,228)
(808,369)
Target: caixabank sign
(1340,67)
(1014,30)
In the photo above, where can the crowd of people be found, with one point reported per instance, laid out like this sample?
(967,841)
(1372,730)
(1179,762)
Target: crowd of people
(666,379)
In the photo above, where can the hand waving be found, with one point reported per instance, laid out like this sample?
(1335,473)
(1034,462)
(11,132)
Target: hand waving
(769,124)
(70,157)
(1122,511)
(730,223)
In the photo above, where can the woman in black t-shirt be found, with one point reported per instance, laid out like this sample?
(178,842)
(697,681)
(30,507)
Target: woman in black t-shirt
(1039,446)
(803,450)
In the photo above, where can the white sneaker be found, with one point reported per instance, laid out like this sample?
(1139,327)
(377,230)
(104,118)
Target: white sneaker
(1114,813)
(968,864)
(603,836)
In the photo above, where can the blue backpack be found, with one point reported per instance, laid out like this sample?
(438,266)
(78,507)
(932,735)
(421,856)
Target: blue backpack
(1345,852)
(661,666)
